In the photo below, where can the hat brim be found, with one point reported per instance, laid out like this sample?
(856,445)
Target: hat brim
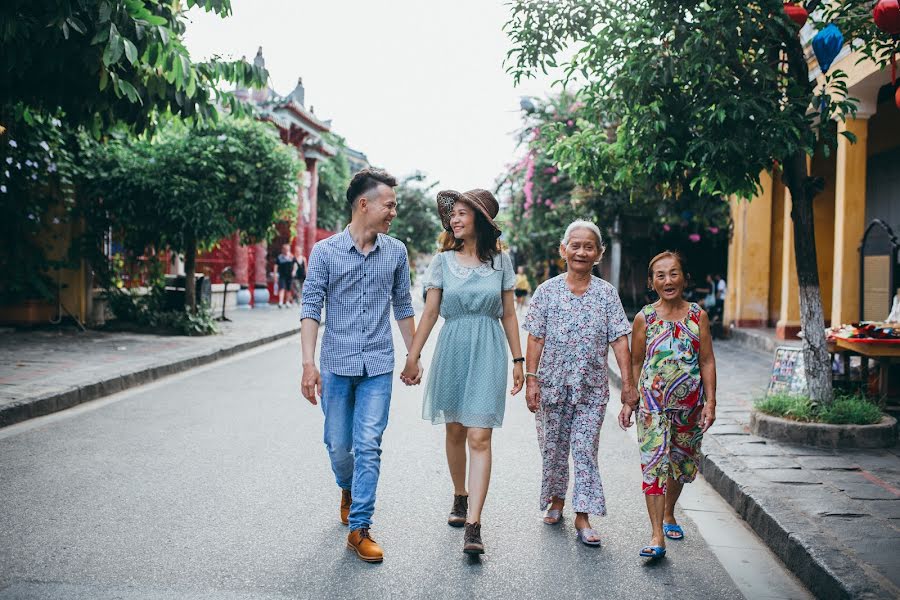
(445,201)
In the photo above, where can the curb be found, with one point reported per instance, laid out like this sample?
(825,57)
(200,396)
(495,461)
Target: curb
(799,543)
(40,406)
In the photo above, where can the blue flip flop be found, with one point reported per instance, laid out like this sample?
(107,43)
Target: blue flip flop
(653,551)
(673,528)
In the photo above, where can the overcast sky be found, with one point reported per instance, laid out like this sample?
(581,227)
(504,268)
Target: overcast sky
(415,84)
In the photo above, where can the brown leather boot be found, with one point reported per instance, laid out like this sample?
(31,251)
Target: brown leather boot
(472,540)
(346,501)
(366,548)
(459,512)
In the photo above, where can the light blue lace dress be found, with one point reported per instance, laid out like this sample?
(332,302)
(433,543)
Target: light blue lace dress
(467,377)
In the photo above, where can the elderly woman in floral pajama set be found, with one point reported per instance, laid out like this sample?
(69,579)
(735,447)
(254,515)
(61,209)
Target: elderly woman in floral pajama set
(573,320)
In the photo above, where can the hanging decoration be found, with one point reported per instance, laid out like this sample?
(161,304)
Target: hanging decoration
(827,45)
(796,13)
(887,16)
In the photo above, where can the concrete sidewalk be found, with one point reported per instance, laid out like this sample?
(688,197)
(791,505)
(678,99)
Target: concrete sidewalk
(45,371)
(833,517)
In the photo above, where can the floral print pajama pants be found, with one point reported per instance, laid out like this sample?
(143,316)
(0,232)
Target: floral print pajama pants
(571,418)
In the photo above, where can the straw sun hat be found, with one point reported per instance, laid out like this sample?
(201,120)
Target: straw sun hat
(481,200)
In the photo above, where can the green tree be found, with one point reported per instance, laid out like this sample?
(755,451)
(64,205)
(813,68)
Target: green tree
(105,63)
(193,186)
(100,65)
(334,177)
(555,183)
(707,95)
(417,224)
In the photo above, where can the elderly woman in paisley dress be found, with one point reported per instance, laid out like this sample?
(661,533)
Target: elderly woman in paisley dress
(470,284)
(673,361)
(572,322)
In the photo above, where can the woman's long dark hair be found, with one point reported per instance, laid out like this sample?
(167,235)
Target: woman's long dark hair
(487,245)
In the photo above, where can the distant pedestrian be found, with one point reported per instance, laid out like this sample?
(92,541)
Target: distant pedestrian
(572,322)
(358,274)
(470,283)
(299,278)
(285,269)
(523,288)
(673,362)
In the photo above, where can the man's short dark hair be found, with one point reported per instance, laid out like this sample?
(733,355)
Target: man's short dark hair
(367,180)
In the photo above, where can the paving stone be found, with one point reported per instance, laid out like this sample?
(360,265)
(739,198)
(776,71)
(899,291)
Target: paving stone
(879,552)
(859,488)
(754,449)
(729,429)
(791,476)
(886,509)
(770,462)
(827,463)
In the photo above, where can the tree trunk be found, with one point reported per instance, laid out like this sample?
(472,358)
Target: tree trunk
(816,357)
(190,284)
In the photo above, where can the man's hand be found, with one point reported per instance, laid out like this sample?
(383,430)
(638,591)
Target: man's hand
(311,383)
(625,416)
(532,393)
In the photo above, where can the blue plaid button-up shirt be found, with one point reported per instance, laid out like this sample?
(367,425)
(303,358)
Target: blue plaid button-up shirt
(357,291)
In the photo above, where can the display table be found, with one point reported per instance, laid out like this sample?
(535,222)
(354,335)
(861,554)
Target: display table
(882,350)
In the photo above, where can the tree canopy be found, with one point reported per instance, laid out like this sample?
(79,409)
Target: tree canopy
(106,63)
(706,96)
(191,187)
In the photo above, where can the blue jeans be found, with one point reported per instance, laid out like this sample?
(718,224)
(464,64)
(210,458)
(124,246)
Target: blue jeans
(356,413)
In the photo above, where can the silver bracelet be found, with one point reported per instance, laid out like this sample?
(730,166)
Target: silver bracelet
(535,375)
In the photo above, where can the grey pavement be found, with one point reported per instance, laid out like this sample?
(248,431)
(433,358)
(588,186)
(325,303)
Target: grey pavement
(215,484)
(46,370)
(832,516)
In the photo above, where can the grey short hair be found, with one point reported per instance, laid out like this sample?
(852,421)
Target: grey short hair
(582,224)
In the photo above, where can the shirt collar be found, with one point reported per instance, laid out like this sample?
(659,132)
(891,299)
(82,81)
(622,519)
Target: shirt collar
(346,241)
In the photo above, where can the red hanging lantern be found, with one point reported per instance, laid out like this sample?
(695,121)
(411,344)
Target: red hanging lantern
(897,97)
(887,16)
(797,13)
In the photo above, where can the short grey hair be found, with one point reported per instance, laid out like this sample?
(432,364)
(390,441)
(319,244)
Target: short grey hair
(582,224)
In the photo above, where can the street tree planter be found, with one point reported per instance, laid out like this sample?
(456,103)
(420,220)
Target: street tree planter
(824,435)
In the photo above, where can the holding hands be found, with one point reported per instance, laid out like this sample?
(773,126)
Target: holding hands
(412,371)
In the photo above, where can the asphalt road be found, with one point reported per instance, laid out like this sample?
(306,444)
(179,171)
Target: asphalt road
(215,484)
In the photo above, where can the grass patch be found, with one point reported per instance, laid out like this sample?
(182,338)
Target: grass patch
(850,410)
(796,408)
(845,410)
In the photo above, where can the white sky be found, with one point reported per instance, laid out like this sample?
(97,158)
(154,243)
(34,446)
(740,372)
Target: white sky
(415,84)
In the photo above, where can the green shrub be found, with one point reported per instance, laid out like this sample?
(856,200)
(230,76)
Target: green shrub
(845,410)
(146,312)
(797,408)
(850,410)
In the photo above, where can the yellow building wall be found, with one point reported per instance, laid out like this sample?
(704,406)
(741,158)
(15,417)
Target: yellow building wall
(823,212)
(775,256)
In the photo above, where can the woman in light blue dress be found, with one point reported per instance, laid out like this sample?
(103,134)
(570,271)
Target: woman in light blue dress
(470,284)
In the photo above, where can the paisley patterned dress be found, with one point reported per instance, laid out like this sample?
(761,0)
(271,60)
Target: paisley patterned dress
(671,400)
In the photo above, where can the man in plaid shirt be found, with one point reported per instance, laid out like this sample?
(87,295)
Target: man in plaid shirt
(357,275)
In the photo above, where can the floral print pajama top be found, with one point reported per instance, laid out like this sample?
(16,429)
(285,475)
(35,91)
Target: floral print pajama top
(574,382)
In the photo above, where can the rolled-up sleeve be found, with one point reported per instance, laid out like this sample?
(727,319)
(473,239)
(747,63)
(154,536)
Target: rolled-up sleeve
(315,286)
(400,296)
